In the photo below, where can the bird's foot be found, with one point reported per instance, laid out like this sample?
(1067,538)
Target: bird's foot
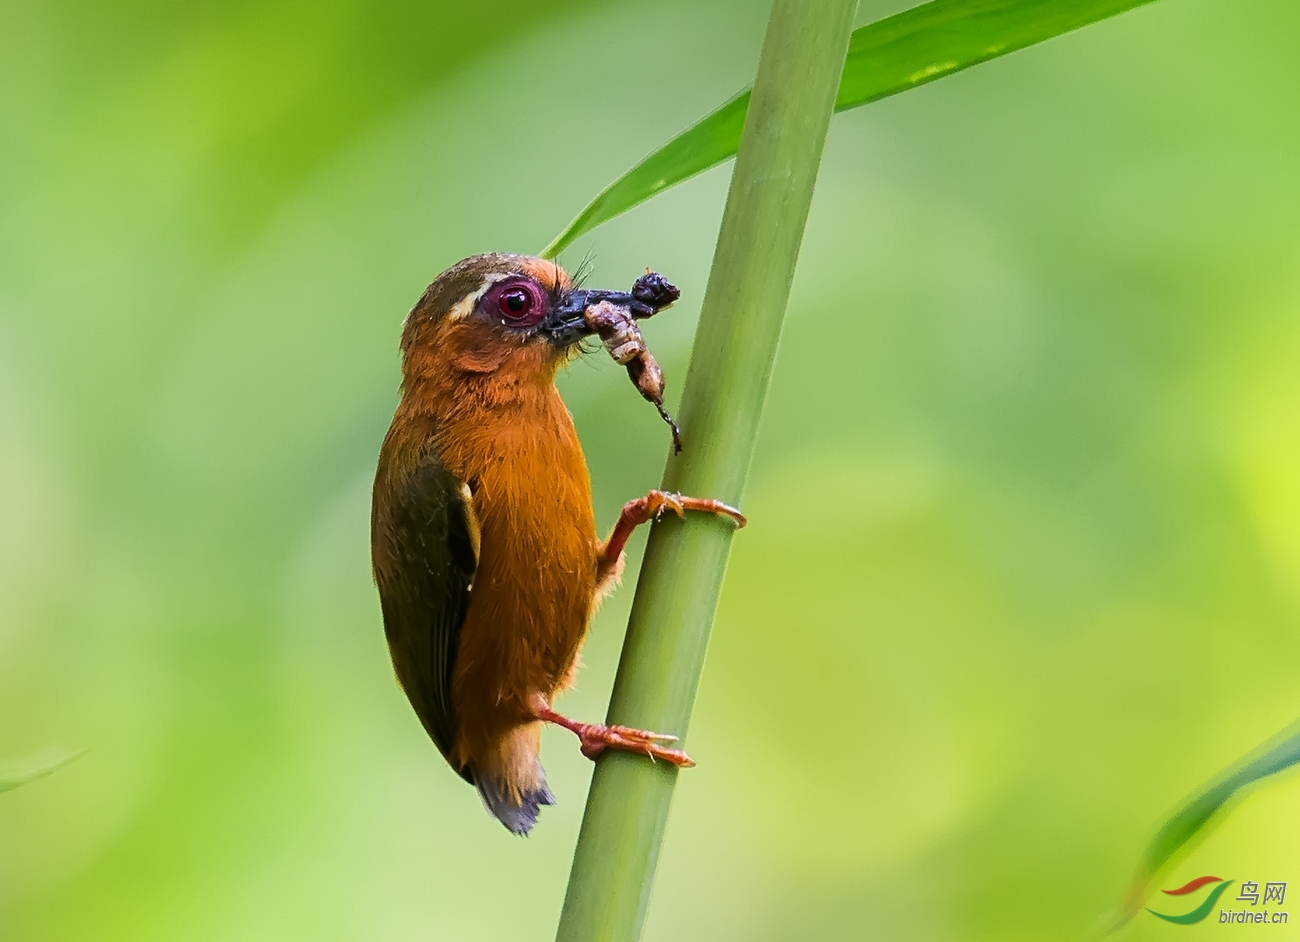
(656,502)
(652,507)
(597,737)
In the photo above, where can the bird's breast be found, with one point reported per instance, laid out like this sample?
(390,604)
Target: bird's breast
(535,583)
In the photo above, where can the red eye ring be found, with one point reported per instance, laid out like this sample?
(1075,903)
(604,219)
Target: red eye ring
(518,303)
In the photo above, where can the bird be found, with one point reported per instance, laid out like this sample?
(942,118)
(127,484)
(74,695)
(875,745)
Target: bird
(484,547)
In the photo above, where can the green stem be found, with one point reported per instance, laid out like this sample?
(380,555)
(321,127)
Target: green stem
(735,345)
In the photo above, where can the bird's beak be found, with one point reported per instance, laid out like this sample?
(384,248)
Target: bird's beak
(567,322)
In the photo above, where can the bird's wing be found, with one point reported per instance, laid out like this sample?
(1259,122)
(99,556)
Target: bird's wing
(425,542)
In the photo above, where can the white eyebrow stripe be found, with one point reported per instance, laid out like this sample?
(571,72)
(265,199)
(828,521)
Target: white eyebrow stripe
(465,306)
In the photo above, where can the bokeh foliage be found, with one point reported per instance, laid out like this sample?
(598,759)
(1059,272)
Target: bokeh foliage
(1024,564)
(1208,808)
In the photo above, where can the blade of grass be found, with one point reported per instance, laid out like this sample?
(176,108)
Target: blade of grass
(34,769)
(884,58)
(731,361)
(1195,819)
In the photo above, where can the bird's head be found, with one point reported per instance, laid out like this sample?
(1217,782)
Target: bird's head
(495,311)
(512,312)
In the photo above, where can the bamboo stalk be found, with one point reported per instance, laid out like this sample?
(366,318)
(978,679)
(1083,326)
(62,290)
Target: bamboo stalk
(731,362)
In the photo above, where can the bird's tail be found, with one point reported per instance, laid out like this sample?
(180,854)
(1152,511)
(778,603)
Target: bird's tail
(517,811)
(514,788)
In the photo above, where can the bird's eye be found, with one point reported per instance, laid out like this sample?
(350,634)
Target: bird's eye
(519,304)
(515,302)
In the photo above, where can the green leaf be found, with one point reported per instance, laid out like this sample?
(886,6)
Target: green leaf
(1194,819)
(34,769)
(886,57)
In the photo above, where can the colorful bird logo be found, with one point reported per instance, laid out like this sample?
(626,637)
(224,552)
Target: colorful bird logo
(1201,911)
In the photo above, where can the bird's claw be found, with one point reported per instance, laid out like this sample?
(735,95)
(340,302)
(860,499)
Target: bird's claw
(631,733)
(596,739)
(669,502)
(679,504)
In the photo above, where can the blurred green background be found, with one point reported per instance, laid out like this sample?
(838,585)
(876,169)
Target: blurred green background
(1024,563)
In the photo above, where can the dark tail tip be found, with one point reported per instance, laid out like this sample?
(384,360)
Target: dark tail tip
(518,816)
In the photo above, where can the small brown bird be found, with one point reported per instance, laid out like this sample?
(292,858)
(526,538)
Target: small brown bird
(483,538)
